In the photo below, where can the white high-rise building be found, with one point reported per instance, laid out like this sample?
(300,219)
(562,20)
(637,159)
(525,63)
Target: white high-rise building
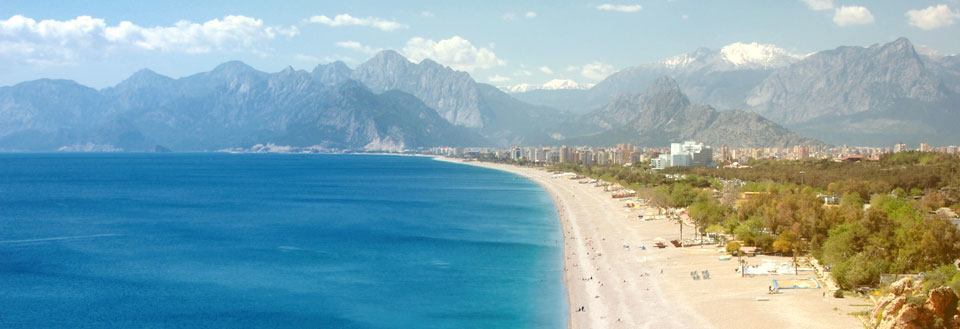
(686,154)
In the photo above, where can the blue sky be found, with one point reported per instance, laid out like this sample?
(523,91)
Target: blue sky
(501,42)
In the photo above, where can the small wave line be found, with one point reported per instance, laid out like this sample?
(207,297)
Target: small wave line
(59,238)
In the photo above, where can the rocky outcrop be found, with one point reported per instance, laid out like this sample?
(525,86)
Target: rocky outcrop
(907,307)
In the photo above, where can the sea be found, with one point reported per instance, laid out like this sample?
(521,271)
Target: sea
(215,240)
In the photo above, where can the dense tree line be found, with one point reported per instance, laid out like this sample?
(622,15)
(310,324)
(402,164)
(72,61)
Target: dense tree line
(910,171)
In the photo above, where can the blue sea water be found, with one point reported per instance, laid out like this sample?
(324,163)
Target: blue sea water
(278,241)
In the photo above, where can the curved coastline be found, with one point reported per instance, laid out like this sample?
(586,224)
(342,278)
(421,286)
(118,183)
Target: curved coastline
(612,282)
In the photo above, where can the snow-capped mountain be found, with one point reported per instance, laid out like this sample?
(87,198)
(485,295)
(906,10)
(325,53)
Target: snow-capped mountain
(732,57)
(555,84)
(722,78)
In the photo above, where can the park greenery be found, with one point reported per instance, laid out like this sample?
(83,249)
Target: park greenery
(860,219)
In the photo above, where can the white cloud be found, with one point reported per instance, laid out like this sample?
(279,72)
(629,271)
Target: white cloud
(530,14)
(348,20)
(546,70)
(427,13)
(358,47)
(455,52)
(819,4)
(596,70)
(852,15)
(620,8)
(59,42)
(933,17)
(496,78)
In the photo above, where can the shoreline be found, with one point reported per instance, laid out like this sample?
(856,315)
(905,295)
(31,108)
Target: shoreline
(612,270)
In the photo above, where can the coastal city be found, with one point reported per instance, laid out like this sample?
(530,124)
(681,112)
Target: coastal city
(688,153)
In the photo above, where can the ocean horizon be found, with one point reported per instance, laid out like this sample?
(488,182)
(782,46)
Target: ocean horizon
(274,240)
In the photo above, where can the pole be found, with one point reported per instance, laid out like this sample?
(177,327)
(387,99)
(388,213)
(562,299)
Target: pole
(680,220)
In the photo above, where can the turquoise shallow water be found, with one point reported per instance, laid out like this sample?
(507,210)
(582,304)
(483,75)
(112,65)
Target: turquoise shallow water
(304,241)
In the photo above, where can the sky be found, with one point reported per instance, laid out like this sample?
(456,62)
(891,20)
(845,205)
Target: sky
(505,43)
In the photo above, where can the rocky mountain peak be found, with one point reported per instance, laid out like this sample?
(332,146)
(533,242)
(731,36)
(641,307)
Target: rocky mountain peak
(663,84)
(388,57)
(665,93)
(145,74)
(900,49)
(901,44)
(332,74)
(143,78)
(233,68)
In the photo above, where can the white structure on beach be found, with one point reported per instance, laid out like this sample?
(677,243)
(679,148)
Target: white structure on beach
(685,154)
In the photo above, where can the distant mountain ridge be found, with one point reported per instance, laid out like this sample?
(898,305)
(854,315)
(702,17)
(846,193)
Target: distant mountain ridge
(663,114)
(232,105)
(718,77)
(876,95)
(880,94)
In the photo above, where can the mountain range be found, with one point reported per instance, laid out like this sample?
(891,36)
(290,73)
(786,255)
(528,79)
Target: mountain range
(386,103)
(232,105)
(717,77)
(875,95)
(663,114)
(740,95)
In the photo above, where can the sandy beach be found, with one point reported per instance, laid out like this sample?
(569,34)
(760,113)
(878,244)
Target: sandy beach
(616,278)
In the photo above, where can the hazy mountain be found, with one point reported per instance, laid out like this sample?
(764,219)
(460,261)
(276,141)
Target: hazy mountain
(459,99)
(233,105)
(332,74)
(722,78)
(946,68)
(663,114)
(452,94)
(864,95)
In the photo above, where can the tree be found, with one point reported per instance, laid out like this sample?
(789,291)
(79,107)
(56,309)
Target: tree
(785,243)
(659,198)
(705,212)
(733,247)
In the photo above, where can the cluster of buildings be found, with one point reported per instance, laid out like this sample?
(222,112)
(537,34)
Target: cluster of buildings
(683,154)
(622,154)
(679,154)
